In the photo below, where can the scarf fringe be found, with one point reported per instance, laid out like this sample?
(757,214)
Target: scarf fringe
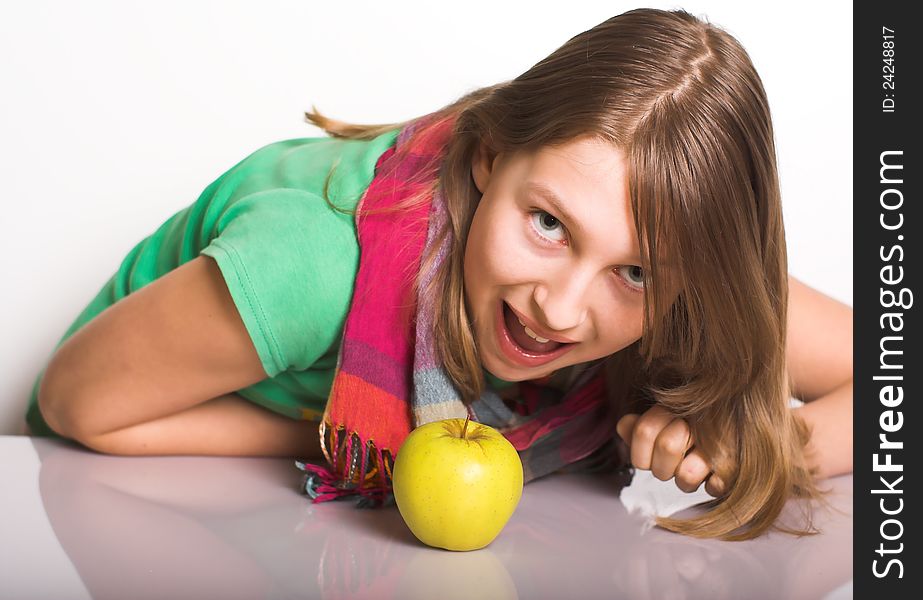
(359,468)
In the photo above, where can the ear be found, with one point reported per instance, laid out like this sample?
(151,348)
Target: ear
(482,164)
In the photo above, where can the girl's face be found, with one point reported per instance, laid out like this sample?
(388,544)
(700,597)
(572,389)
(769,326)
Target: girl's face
(570,272)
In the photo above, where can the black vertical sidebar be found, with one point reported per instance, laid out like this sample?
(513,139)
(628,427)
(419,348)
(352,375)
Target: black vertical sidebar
(887,272)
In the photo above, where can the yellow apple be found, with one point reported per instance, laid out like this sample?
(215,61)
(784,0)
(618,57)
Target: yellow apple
(456,483)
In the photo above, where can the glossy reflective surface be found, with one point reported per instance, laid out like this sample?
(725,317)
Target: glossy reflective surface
(76,524)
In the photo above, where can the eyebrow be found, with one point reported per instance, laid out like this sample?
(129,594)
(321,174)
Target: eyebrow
(557,204)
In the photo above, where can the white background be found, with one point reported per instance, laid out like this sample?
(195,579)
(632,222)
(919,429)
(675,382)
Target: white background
(114,115)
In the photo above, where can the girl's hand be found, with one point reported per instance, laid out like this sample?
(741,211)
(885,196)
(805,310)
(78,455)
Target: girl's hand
(660,442)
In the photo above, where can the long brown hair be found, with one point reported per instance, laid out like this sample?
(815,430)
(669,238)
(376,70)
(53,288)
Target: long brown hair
(683,100)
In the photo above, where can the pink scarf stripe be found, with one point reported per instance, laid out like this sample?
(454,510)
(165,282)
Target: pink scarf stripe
(585,400)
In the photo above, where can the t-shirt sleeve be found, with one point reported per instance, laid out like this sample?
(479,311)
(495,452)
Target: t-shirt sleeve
(289,262)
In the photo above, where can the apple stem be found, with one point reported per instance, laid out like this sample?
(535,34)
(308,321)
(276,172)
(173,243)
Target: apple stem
(465,428)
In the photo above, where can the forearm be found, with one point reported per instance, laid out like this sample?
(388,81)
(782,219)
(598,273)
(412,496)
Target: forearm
(224,426)
(830,420)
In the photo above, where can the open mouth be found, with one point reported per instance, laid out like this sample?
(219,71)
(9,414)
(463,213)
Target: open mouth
(521,347)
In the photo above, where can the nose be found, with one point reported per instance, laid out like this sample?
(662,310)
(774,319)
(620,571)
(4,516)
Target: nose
(563,299)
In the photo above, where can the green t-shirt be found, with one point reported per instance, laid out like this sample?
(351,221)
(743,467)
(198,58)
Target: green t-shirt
(288,259)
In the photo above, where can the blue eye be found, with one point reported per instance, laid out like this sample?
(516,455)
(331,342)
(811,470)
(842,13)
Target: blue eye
(545,223)
(634,275)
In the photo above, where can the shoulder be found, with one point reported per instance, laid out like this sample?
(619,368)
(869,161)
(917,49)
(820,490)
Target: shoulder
(290,264)
(341,168)
(288,258)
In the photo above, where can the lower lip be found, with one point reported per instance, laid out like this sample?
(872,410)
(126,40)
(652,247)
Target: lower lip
(520,356)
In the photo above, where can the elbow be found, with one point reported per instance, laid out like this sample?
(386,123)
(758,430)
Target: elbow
(50,405)
(71,416)
(61,414)
(60,409)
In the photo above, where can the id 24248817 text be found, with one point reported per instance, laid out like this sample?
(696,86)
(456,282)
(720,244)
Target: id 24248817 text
(889,101)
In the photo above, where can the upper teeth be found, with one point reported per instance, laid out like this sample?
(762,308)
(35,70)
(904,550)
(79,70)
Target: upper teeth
(531,333)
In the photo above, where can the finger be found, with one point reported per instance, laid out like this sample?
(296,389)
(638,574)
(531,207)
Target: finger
(625,427)
(645,433)
(692,472)
(669,449)
(715,486)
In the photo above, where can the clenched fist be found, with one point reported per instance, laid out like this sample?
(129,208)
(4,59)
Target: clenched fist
(661,442)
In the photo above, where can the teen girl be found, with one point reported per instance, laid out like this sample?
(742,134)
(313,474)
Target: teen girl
(589,257)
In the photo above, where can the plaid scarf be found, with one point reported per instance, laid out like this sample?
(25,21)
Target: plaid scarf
(389,379)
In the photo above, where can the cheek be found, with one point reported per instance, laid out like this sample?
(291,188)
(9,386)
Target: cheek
(477,265)
(624,327)
(474,256)
(494,252)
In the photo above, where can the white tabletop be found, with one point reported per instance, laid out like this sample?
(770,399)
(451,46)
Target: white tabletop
(78,525)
